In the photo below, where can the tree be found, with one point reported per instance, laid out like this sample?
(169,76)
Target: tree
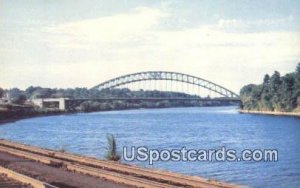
(280,93)
(16,96)
(266,80)
(19,99)
(30,90)
(298,69)
(42,93)
(298,75)
(1,92)
(288,102)
(275,81)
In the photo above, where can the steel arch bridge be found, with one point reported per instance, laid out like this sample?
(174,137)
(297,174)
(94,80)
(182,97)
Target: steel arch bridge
(164,75)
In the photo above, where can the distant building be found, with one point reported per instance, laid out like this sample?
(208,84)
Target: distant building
(59,103)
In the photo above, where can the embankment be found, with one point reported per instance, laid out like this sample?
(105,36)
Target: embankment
(295,114)
(11,112)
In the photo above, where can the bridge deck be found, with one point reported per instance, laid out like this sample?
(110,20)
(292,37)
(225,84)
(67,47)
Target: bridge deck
(155,99)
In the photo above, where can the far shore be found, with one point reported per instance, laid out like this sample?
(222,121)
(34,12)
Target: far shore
(15,118)
(294,114)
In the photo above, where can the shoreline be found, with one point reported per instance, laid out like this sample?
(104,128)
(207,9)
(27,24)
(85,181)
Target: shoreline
(291,114)
(17,118)
(73,170)
(45,114)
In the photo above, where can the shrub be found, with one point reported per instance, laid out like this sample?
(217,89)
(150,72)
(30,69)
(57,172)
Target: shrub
(112,149)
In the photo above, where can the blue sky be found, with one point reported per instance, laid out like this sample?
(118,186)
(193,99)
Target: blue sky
(82,43)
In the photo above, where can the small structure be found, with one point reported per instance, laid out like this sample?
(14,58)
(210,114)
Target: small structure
(59,103)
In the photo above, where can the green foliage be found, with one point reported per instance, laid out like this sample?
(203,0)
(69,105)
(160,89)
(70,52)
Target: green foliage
(1,92)
(298,68)
(17,96)
(276,93)
(112,149)
(89,106)
(78,93)
(20,99)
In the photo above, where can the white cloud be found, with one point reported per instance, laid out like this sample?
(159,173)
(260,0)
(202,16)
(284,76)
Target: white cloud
(139,27)
(110,46)
(117,28)
(242,24)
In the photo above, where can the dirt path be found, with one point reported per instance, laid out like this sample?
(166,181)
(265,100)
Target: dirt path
(54,176)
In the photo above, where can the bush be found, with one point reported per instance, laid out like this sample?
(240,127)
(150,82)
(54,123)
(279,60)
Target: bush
(112,149)
(20,99)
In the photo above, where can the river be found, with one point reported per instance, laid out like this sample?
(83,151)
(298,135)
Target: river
(174,128)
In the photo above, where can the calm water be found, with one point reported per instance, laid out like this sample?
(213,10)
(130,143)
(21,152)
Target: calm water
(194,128)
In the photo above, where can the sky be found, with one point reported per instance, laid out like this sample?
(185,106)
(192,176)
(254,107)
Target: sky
(66,44)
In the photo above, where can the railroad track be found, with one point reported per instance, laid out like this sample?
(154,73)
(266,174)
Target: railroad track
(6,182)
(121,173)
(12,179)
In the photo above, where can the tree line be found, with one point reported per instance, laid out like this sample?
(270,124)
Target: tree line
(18,96)
(276,93)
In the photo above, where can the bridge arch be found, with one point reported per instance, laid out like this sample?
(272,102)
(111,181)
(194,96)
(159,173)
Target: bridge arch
(164,75)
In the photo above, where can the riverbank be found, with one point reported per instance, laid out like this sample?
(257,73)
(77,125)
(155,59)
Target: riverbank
(17,112)
(69,170)
(16,118)
(12,112)
(58,177)
(294,114)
